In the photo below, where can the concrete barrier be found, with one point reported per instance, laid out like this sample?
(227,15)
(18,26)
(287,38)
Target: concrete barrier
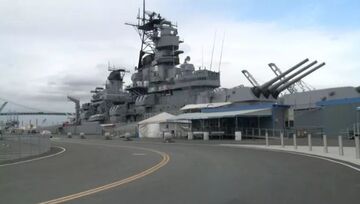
(238,136)
(206,135)
(107,136)
(82,135)
(190,136)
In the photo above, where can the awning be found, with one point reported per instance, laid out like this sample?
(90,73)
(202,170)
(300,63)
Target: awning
(228,114)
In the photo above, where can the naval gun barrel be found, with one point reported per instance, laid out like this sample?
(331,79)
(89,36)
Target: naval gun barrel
(276,92)
(278,84)
(259,89)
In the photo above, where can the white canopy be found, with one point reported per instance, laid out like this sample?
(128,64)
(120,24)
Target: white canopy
(151,127)
(159,118)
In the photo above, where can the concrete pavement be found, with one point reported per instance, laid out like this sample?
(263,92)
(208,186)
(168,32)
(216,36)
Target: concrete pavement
(196,173)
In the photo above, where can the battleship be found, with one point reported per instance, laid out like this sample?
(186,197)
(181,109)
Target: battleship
(163,83)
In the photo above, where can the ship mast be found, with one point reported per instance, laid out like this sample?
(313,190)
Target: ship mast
(142,37)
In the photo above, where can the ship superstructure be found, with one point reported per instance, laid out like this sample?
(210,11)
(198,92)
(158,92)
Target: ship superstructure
(160,83)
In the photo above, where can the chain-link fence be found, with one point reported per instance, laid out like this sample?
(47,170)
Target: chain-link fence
(16,146)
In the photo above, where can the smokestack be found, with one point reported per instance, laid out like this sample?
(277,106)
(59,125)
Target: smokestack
(276,93)
(278,84)
(258,90)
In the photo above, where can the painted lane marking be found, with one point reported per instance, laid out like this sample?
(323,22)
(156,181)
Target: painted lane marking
(163,162)
(296,153)
(138,154)
(38,158)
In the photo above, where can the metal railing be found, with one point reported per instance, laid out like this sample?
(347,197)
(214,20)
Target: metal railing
(308,141)
(295,138)
(17,146)
(276,133)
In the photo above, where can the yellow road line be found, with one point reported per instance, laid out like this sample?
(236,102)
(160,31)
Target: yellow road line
(163,162)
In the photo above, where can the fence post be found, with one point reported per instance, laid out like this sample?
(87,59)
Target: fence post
(357,147)
(259,133)
(309,142)
(39,145)
(325,144)
(294,138)
(273,132)
(267,138)
(20,150)
(341,148)
(282,139)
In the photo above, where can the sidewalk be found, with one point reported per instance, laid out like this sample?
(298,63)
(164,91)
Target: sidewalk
(333,152)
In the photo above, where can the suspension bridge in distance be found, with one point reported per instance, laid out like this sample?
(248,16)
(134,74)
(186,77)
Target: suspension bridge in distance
(35,113)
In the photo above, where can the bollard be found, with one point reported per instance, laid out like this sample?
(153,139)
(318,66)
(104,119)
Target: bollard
(341,147)
(82,135)
(206,135)
(294,138)
(168,137)
(357,147)
(354,130)
(325,144)
(309,142)
(107,136)
(282,139)
(190,135)
(266,138)
(238,136)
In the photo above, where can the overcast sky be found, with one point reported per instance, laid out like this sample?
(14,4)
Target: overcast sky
(52,48)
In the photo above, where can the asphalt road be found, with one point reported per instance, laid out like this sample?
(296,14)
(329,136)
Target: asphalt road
(196,173)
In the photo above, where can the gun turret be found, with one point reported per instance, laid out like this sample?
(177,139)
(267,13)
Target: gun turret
(276,93)
(272,88)
(257,90)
